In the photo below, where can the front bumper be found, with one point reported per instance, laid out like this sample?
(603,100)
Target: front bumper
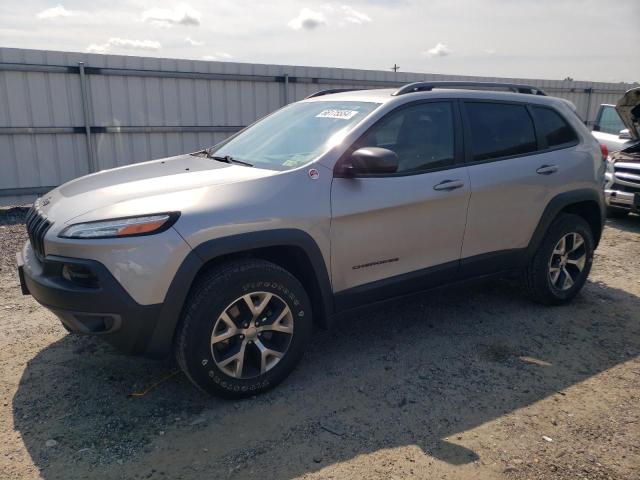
(623,200)
(106,310)
(622,186)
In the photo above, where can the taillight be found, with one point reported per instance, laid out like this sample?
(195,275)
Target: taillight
(604,150)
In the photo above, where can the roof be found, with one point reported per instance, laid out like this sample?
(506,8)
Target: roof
(385,96)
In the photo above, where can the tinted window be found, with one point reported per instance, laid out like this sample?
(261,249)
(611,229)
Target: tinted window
(609,121)
(552,127)
(421,135)
(499,130)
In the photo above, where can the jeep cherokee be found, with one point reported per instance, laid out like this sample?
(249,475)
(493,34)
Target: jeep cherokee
(230,256)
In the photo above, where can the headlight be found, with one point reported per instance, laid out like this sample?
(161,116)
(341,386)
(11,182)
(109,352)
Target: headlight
(121,227)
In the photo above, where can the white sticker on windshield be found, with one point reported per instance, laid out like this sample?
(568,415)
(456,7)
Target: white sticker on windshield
(337,113)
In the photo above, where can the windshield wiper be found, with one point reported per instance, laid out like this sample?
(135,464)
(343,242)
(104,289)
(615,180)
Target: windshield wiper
(228,159)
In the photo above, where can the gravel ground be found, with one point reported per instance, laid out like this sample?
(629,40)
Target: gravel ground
(476,383)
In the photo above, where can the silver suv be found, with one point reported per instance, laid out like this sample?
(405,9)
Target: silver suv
(231,256)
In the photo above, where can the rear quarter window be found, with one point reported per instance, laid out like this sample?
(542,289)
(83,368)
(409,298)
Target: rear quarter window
(500,130)
(553,129)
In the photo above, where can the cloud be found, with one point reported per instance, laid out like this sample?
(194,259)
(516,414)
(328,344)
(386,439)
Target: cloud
(440,50)
(330,14)
(181,14)
(55,12)
(125,43)
(217,56)
(307,19)
(97,48)
(192,42)
(135,44)
(352,15)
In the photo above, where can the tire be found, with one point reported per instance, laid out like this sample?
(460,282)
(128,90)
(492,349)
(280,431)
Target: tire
(613,212)
(544,277)
(218,320)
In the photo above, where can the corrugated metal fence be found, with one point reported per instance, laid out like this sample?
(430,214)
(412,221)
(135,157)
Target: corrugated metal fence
(63,115)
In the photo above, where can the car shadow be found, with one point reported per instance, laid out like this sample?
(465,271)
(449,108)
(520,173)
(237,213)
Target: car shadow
(414,372)
(630,223)
(13,215)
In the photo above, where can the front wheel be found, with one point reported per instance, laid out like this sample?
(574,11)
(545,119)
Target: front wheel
(244,328)
(559,269)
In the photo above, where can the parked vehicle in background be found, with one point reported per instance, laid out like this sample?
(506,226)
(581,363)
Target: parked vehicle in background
(622,187)
(609,129)
(232,255)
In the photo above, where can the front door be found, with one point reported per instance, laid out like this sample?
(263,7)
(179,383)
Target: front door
(401,231)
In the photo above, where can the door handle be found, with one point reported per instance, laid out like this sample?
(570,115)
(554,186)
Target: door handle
(547,169)
(449,185)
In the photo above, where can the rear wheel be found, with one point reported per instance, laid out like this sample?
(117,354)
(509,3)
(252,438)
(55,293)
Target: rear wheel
(560,267)
(244,329)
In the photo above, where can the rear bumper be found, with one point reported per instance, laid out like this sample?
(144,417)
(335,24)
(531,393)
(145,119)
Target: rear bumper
(107,310)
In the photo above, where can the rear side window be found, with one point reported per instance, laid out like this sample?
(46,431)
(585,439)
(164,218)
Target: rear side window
(553,129)
(499,130)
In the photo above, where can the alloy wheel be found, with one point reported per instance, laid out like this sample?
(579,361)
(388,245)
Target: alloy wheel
(252,335)
(567,261)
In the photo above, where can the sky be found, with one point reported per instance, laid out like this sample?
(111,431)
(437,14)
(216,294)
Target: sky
(597,40)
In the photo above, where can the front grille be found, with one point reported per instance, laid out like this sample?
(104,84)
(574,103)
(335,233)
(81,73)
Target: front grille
(37,226)
(628,174)
(625,188)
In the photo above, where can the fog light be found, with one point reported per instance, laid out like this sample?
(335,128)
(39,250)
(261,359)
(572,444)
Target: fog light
(95,323)
(79,275)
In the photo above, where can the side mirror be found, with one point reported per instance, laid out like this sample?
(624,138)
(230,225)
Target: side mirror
(368,161)
(624,134)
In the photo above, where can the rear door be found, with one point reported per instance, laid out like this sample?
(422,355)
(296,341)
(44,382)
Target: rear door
(398,231)
(514,173)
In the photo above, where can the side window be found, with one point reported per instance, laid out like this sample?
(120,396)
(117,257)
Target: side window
(387,134)
(422,136)
(499,130)
(552,127)
(609,121)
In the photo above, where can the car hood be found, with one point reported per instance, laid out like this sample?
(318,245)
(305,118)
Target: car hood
(628,107)
(168,184)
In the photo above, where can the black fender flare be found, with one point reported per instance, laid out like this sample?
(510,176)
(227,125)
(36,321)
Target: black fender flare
(161,340)
(559,203)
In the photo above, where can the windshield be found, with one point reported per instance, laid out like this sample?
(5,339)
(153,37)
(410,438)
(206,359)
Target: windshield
(294,135)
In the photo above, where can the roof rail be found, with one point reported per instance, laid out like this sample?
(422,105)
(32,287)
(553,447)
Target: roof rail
(428,86)
(330,91)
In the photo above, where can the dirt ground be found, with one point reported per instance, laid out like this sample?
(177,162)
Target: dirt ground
(473,383)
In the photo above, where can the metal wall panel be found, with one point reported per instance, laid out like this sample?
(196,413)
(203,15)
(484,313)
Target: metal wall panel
(142,108)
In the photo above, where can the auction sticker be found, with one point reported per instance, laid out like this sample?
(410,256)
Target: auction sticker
(337,113)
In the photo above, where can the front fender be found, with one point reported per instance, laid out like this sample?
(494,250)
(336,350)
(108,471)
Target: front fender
(211,250)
